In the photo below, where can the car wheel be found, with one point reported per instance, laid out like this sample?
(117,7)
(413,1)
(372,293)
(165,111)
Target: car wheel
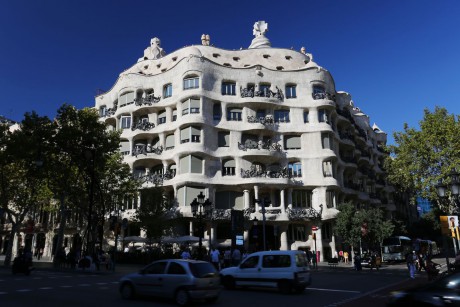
(212,299)
(181,297)
(228,282)
(127,291)
(299,289)
(284,286)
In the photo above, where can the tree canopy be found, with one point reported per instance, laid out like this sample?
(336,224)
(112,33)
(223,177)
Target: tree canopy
(420,158)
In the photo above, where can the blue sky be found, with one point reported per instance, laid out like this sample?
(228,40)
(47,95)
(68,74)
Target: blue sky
(394,57)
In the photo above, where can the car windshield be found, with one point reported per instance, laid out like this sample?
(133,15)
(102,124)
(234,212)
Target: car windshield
(301,260)
(202,270)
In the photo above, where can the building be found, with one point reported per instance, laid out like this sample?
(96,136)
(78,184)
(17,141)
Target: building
(260,123)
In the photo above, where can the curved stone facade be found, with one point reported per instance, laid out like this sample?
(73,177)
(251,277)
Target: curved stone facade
(259,123)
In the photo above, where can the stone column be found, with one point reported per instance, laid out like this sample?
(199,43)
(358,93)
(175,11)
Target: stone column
(256,196)
(319,242)
(282,203)
(283,237)
(246,199)
(191,228)
(290,197)
(212,239)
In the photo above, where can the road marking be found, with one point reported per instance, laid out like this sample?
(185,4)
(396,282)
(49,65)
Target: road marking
(1,293)
(23,290)
(66,286)
(46,288)
(84,285)
(101,283)
(333,290)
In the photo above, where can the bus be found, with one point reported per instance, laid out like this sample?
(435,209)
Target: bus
(426,247)
(396,248)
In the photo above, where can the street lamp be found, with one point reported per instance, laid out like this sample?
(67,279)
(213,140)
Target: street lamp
(263,202)
(116,226)
(201,208)
(454,186)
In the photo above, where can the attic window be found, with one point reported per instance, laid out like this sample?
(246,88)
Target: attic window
(146,66)
(279,67)
(306,62)
(227,64)
(236,58)
(163,70)
(246,65)
(216,55)
(288,57)
(266,56)
(174,58)
(145,58)
(159,65)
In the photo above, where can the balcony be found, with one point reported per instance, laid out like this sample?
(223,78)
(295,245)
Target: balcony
(147,100)
(143,125)
(301,214)
(257,172)
(323,95)
(260,145)
(267,120)
(142,149)
(250,92)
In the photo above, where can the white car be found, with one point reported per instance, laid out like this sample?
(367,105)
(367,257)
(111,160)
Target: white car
(182,280)
(286,270)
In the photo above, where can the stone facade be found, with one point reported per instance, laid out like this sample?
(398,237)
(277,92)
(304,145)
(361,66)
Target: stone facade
(261,123)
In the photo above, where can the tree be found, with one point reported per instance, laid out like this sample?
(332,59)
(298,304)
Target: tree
(422,157)
(23,186)
(156,213)
(364,225)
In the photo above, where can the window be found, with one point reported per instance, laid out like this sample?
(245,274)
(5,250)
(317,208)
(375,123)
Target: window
(302,198)
(323,116)
(295,169)
(125,122)
(297,232)
(172,170)
(330,199)
(102,111)
(291,91)
(126,98)
(192,82)
(276,261)
(234,114)
(191,164)
(223,139)
(251,262)
(292,142)
(229,200)
(156,268)
(174,115)
(169,142)
(318,92)
(260,114)
(190,134)
(217,111)
(191,106)
(228,88)
(124,147)
(186,194)
(167,90)
(327,141)
(305,116)
(228,168)
(176,269)
(157,170)
(282,116)
(162,118)
(265,89)
(138,172)
(328,169)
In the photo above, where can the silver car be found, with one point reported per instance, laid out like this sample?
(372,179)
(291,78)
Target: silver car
(182,280)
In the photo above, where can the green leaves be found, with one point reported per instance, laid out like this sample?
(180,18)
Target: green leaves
(422,157)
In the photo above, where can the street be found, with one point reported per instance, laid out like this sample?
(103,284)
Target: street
(331,287)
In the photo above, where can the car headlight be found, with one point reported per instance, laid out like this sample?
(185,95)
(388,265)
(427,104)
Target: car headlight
(395,295)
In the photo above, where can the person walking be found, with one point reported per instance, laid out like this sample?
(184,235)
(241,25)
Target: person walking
(345,257)
(357,263)
(411,258)
(236,257)
(227,257)
(215,258)
(186,254)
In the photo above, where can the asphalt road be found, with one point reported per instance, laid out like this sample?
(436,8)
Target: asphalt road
(331,287)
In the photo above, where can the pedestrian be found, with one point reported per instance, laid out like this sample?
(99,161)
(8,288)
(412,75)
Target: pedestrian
(411,258)
(421,262)
(236,257)
(341,256)
(357,263)
(186,254)
(227,257)
(314,260)
(215,258)
(345,257)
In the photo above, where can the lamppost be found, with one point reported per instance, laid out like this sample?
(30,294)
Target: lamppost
(441,189)
(263,202)
(201,208)
(116,226)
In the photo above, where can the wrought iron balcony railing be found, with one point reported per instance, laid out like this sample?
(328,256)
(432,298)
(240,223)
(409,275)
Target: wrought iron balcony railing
(255,172)
(143,125)
(297,214)
(264,120)
(142,149)
(323,95)
(267,93)
(147,100)
(260,145)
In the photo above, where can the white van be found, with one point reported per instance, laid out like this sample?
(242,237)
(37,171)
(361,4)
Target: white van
(286,270)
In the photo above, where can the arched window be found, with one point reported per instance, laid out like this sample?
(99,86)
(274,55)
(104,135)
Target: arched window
(191,82)
(228,168)
(295,169)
